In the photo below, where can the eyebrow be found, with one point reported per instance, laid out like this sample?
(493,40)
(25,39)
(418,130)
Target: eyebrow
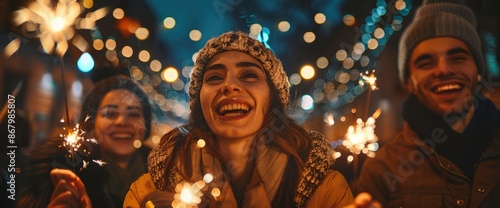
(116,107)
(422,57)
(457,50)
(239,64)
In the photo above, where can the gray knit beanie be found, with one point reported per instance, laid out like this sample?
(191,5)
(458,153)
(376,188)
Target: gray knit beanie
(445,18)
(239,41)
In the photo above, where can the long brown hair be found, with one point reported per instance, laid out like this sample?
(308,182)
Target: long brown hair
(279,130)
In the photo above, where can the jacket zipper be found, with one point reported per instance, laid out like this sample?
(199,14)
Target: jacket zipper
(452,172)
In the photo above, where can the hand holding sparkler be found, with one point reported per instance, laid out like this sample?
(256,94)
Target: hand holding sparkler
(69,190)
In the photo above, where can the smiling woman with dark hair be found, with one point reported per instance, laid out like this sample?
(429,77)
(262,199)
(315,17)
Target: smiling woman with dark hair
(117,114)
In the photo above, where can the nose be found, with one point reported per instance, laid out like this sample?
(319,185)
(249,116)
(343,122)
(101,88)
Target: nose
(121,119)
(231,84)
(443,68)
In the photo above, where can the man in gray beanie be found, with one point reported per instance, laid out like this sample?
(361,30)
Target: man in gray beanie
(448,153)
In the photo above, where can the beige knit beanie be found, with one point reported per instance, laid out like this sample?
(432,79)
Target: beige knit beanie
(239,41)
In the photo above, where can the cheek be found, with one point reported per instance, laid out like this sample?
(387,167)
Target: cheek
(140,128)
(206,98)
(101,127)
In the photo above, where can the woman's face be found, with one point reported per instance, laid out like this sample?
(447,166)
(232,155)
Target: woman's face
(119,122)
(234,95)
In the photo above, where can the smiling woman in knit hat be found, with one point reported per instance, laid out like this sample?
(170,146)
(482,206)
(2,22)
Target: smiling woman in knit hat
(448,153)
(257,155)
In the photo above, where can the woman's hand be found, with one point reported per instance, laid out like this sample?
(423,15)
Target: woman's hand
(364,200)
(69,190)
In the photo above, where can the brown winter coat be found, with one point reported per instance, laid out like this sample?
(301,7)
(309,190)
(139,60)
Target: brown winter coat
(408,173)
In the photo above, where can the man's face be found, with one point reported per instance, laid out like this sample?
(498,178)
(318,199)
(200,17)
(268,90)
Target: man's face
(443,75)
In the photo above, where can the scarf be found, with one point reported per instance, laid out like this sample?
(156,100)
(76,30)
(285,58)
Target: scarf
(463,149)
(269,169)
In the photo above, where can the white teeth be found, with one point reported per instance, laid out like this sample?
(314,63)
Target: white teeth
(121,135)
(232,114)
(448,87)
(233,106)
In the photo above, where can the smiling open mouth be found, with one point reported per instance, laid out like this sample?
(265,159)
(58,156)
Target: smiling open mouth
(233,110)
(445,88)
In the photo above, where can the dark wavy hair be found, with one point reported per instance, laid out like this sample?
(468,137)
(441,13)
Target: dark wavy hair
(94,98)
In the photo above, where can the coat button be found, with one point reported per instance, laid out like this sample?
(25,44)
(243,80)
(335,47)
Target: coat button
(481,189)
(460,202)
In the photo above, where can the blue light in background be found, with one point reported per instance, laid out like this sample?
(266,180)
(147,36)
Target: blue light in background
(85,63)
(307,102)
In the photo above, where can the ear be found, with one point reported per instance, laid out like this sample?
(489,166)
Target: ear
(479,78)
(409,86)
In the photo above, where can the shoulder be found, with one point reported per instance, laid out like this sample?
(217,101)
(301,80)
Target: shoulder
(334,191)
(161,153)
(320,146)
(320,157)
(139,191)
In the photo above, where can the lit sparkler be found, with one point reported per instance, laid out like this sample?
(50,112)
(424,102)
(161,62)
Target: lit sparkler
(370,78)
(54,24)
(361,138)
(73,141)
(188,195)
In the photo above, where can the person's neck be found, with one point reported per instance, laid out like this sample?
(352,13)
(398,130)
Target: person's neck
(235,153)
(460,124)
(121,161)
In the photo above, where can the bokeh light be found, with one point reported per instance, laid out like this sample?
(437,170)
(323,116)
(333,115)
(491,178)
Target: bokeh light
(169,22)
(309,37)
(195,35)
(118,13)
(349,20)
(142,33)
(144,56)
(98,44)
(284,26)
(322,62)
(155,65)
(127,51)
(170,74)
(320,18)
(307,72)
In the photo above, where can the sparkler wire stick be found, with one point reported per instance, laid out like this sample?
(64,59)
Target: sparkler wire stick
(65,97)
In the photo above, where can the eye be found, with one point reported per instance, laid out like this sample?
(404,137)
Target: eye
(459,58)
(135,114)
(109,114)
(424,64)
(251,75)
(213,78)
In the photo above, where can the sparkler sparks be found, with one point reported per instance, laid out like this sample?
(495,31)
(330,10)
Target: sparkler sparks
(361,138)
(73,141)
(188,195)
(54,24)
(370,79)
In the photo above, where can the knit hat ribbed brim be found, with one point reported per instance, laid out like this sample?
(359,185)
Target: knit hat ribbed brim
(239,41)
(440,19)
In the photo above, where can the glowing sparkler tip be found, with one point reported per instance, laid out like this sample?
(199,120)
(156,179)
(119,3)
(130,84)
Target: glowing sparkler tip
(188,195)
(57,24)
